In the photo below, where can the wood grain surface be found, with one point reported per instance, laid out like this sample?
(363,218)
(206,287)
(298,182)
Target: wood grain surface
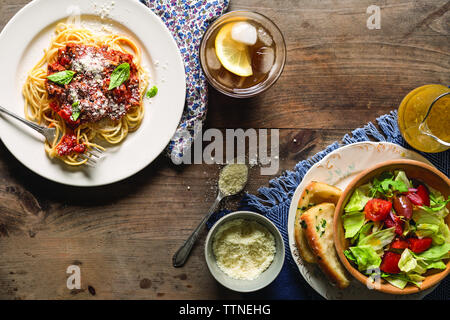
(339,75)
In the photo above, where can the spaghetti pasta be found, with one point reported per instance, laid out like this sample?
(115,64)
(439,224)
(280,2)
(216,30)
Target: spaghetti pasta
(89,132)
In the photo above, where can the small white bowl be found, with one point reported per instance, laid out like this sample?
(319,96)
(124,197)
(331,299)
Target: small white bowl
(264,278)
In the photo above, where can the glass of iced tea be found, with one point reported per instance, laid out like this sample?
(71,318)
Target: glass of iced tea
(242,53)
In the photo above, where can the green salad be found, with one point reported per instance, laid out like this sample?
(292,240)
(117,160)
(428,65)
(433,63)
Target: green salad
(396,229)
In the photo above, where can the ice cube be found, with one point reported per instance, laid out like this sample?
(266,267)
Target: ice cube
(211,59)
(226,78)
(244,32)
(263,59)
(264,37)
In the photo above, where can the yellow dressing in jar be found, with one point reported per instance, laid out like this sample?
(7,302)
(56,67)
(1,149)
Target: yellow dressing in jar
(412,112)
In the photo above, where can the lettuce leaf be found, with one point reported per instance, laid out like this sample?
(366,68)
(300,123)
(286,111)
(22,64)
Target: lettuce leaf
(366,257)
(401,280)
(401,176)
(415,279)
(396,281)
(427,229)
(431,224)
(430,259)
(440,211)
(362,233)
(353,222)
(435,253)
(436,198)
(436,265)
(349,255)
(408,263)
(378,240)
(359,199)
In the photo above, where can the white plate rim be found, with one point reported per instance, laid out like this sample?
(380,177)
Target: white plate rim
(293,209)
(133,16)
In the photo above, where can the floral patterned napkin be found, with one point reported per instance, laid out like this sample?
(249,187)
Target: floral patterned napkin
(188,20)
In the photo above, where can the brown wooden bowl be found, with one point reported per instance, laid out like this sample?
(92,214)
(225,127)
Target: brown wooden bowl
(414,169)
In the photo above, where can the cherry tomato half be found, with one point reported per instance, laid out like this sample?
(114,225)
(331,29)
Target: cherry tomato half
(390,261)
(377,209)
(400,244)
(419,245)
(423,193)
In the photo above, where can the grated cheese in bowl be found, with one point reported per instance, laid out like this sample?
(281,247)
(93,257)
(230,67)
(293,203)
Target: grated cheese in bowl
(243,248)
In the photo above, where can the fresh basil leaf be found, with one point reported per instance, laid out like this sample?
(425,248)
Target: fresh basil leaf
(152,92)
(76,111)
(62,78)
(120,74)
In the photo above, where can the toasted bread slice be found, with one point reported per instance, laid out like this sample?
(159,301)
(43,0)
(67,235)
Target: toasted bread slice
(314,193)
(319,233)
(300,239)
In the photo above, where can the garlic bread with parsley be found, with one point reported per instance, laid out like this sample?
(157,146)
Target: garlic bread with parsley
(314,193)
(319,234)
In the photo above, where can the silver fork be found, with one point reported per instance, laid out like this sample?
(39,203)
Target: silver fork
(91,154)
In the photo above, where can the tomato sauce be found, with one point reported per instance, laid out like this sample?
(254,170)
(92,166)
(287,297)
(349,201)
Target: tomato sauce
(69,145)
(93,67)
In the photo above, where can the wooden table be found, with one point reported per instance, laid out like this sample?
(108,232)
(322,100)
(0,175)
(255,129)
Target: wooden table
(339,75)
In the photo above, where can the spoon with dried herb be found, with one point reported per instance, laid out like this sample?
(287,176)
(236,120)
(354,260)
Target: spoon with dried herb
(232,180)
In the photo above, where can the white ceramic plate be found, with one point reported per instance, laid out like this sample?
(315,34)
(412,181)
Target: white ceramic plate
(338,168)
(22,42)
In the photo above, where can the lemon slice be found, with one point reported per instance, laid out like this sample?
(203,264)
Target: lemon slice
(234,56)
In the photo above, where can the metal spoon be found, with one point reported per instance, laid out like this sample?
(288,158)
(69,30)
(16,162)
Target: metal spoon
(423,127)
(180,257)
